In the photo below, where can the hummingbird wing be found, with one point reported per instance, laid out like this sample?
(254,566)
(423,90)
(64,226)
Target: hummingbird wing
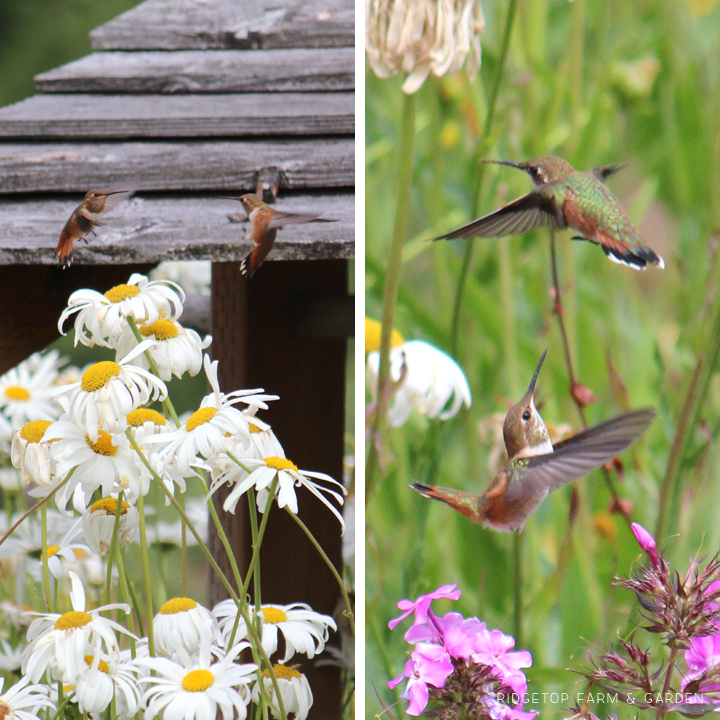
(530,212)
(605,171)
(116,194)
(281,219)
(581,454)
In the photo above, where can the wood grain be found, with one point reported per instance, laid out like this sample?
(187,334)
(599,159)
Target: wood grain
(184,165)
(209,71)
(112,116)
(152,229)
(226,24)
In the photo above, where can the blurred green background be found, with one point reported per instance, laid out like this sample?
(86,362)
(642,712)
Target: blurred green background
(596,82)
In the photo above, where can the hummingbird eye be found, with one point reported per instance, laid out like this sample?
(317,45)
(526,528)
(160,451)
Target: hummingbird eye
(526,415)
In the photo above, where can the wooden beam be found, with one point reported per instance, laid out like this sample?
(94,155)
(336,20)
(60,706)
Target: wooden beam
(153,229)
(225,24)
(208,71)
(159,116)
(255,341)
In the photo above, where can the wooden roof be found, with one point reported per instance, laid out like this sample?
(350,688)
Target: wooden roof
(190,99)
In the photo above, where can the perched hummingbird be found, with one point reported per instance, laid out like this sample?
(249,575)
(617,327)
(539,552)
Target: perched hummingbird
(86,217)
(264,224)
(565,197)
(535,467)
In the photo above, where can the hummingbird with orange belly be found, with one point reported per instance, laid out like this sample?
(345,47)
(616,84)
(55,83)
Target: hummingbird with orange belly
(86,217)
(536,467)
(264,224)
(565,197)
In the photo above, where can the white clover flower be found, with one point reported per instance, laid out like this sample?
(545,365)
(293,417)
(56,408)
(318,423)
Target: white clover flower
(294,688)
(423,37)
(61,642)
(179,624)
(30,455)
(204,434)
(20,696)
(98,524)
(261,475)
(198,689)
(176,350)
(25,390)
(104,678)
(104,316)
(304,630)
(428,379)
(108,462)
(109,391)
(65,549)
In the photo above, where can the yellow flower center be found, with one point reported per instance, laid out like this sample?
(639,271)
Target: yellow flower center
(177,605)
(104,445)
(198,680)
(73,620)
(254,428)
(200,417)
(33,431)
(103,666)
(4,710)
(280,463)
(373,331)
(274,615)
(122,292)
(162,330)
(283,672)
(15,392)
(52,550)
(109,505)
(98,375)
(142,415)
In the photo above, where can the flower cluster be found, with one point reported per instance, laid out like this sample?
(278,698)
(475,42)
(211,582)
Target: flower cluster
(458,665)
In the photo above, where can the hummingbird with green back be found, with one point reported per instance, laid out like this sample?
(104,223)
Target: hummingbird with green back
(565,197)
(535,467)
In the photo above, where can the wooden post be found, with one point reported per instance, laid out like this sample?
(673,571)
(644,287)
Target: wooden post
(255,341)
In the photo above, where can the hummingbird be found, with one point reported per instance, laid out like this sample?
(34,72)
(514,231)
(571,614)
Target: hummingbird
(264,224)
(565,197)
(86,217)
(535,467)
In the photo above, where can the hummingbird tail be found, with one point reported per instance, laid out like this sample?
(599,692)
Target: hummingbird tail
(464,502)
(638,258)
(246,266)
(64,249)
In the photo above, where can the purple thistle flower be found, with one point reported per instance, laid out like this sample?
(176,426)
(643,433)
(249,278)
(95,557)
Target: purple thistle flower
(646,542)
(421,605)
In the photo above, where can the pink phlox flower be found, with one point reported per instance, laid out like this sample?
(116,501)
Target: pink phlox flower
(646,542)
(492,648)
(459,634)
(500,711)
(713,606)
(428,665)
(422,604)
(701,657)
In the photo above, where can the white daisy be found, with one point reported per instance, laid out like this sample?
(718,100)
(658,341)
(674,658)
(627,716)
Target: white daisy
(204,434)
(294,688)
(65,549)
(98,524)
(193,275)
(428,379)
(261,475)
(109,391)
(263,442)
(30,455)
(61,642)
(198,689)
(10,480)
(165,533)
(104,678)
(108,462)
(20,696)
(304,630)
(104,317)
(25,390)
(10,657)
(16,615)
(178,626)
(177,350)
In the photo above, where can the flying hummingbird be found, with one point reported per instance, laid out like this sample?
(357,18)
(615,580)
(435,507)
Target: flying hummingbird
(86,217)
(264,224)
(565,197)
(536,467)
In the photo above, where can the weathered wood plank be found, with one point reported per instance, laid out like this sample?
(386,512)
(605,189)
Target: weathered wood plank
(153,229)
(112,116)
(227,165)
(225,24)
(209,71)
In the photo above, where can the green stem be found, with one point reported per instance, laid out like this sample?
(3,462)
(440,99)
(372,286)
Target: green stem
(111,554)
(392,282)
(45,559)
(518,588)
(125,592)
(254,535)
(146,568)
(489,118)
(343,589)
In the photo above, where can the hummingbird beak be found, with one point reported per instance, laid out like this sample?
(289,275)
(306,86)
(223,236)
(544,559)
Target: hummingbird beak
(511,163)
(531,389)
(223,197)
